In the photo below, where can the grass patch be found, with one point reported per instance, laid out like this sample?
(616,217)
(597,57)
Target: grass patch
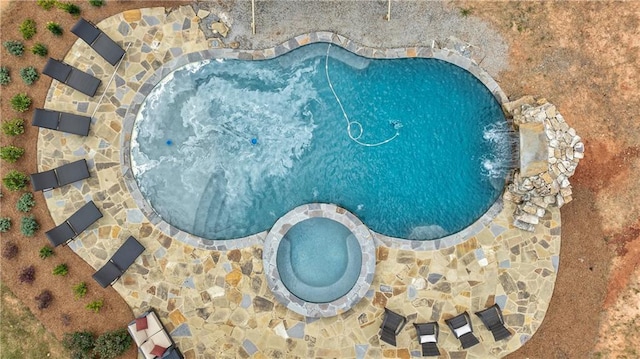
(17,324)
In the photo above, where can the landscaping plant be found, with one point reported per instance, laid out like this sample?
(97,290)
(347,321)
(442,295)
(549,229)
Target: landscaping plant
(26,202)
(61,270)
(28,29)
(20,102)
(10,250)
(15,181)
(80,344)
(29,226)
(55,28)
(5,224)
(95,306)
(80,290)
(70,8)
(5,79)
(44,299)
(13,127)
(46,4)
(14,47)
(27,275)
(96,3)
(40,49)
(112,344)
(11,153)
(46,252)
(29,75)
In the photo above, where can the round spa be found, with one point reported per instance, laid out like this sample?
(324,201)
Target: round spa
(319,260)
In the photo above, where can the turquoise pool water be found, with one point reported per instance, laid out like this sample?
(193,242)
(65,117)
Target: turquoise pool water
(222,149)
(319,260)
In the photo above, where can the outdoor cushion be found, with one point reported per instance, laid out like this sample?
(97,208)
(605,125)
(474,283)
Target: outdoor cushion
(428,338)
(463,330)
(158,350)
(44,180)
(60,234)
(141,323)
(161,338)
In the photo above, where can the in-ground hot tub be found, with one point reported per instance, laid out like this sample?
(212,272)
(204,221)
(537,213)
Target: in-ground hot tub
(319,260)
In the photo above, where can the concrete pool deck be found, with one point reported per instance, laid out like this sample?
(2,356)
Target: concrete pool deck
(216,303)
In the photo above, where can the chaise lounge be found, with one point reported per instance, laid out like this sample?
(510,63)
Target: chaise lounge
(71,77)
(152,338)
(461,327)
(391,326)
(428,338)
(61,121)
(493,320)
(61,176)
(74,225)
(98,40)
(121,260)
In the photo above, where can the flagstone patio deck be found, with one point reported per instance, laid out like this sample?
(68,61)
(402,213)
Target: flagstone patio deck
(216,303)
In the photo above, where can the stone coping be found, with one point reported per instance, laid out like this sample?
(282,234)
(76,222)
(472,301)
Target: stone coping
(165,69)
(367,269)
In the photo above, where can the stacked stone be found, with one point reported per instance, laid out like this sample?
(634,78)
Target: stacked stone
(534,193)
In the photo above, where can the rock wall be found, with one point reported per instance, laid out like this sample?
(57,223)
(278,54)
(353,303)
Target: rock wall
(536,186)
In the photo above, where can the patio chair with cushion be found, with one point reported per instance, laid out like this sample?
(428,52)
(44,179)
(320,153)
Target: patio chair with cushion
(391,326)
(74,225)
(61,121)
(493,320)
(461,327)
(121,260)
(71,77)
(428,338)
(61,176)
(98,40)
(152,338)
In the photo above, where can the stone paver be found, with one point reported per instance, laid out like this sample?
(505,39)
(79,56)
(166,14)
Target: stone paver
(216,303)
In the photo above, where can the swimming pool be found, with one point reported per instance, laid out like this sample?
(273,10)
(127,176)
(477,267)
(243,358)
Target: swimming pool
(221,149)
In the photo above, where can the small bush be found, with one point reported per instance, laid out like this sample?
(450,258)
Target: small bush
(46,4)
(95,306)
(15,181)
(80,344)
(14,47)
(5,79)
(44,299)
(25,202)
(5,224)
(27,275)
(11,153)
(13,127)
(61,270)
(80,290)
(112,344)
(70,8)
(55,28)
(46,252)
(20,102)
(10,250)
(28,29)
(96,3)
(29,226)
(29,75)
(40,50)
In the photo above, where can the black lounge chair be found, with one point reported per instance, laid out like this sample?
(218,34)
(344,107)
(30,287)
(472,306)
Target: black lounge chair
(463,330)
(391,326)
(61,121)
(428,338)
(98,40)
(121,260)
(71,76)
(74,225)
(58,177)
(493,320)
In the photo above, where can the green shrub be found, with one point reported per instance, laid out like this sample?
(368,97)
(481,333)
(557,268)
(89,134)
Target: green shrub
(96,3)
(25,202)
(46,4)
(13,127)
(5,79)
(61,270)
(29,75)
(70,8)
(15,181)
(46,252)
(40,50)
(112,344)
(55,28)
(5,224)
(95,306)
(80,344)
(14,47)
(10,250)
(80,290)
(29,226)
(20,102)
(11,153)
(28,29)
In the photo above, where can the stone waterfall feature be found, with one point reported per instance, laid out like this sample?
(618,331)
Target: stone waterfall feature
(549,154)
